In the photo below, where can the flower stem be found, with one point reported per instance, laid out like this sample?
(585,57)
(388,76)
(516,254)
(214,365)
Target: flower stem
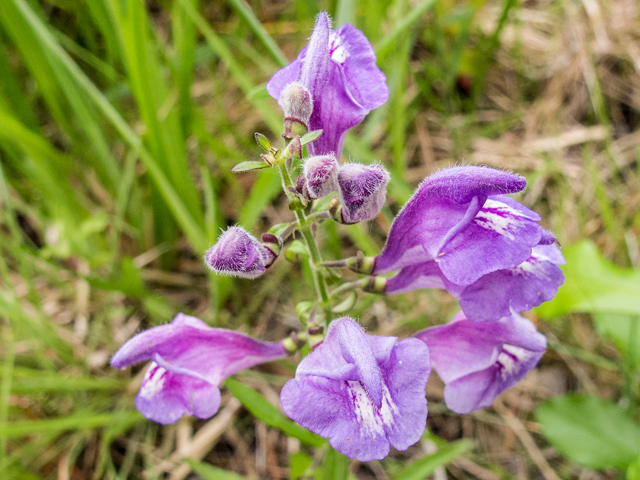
(312,247)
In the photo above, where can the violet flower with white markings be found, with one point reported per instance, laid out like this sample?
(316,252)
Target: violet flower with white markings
(460,218)
(190,360)
(239,254)
(496,294)
(362,392)
(339,70)
(479,361)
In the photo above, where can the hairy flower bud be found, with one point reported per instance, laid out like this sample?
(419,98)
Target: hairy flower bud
(297,105)
(363,189)
(321,174)
(239,254)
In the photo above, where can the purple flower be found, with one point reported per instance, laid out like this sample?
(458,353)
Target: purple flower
(360,391)
(239,254)
(190,359)
(479,361)
(362,189)
(461,219)
(496,294)
(321,175)
(339,69)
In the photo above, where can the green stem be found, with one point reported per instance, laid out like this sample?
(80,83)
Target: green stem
(312,247)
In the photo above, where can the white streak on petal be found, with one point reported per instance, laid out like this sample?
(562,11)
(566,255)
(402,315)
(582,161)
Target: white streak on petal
(499,217)
(153,381)
(368,415)
(339,53)
(510,360)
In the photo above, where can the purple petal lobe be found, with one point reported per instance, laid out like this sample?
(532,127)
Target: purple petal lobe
(498,237)
(356,349)
(190,359)
(517,289)
(439,213)
(479,360)
(413,277)
(336,402)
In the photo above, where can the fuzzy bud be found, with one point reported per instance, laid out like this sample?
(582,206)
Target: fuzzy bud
(321,173)
(239,254)
(363,189)
(297,104)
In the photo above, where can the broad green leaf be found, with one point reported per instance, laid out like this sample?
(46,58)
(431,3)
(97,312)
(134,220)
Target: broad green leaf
(425,466)
(263,410)
(249,166)
(623,330)
(593,285)
(209,472)
(590,431)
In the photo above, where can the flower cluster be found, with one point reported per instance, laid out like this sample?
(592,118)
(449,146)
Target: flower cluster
(460,231)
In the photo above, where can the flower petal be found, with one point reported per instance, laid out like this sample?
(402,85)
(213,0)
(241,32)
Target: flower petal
(496,294)
(479,389)
(165,396)
(463,346)
(499,237)
(340,411)
(406,374)
(188,343)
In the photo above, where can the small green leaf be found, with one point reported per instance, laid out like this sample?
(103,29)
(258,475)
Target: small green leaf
(249,166)
(296,250)
(298,463)
(263,410)
(426,465)
(209,472)
(347,304)
(278,228)
(310,137)
(590,431)
(263,141)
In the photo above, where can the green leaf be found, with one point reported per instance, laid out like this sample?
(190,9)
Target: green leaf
(249,166)
(426,466)
(263,410)
(295,250)
(633,472)
(335,466)
(263,141)
(209,472)
(590,431)
(310,136)
(623,330)
(78,421)
(593,285)
(298,463)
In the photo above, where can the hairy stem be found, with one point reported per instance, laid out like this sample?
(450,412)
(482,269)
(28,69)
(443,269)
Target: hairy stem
(312,247)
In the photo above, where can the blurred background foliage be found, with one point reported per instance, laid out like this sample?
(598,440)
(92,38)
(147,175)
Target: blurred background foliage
(120,121)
